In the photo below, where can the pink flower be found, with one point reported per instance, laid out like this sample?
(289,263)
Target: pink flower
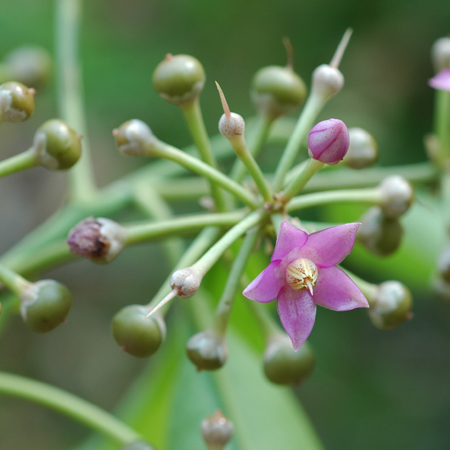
(303,273)
(441,80)
(328,141)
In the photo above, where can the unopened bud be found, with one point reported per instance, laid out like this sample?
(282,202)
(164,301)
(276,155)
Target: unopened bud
(179,79)
(396,196)
(328,141)
(363,149)
(16,102)
(283,365)
(29,65)
(391,305)
(44,305)
(440,54)
(379,234)
(232,126)
(327,81)
(186,281)
(135,138)
(277,91)
(207,350)
(58,146)
(100,240)
(217,431)
(137,335)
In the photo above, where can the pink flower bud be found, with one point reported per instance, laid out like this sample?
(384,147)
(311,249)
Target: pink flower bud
(328,141)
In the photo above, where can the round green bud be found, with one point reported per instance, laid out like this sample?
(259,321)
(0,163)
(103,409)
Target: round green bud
(391,305)
(44,305)
(29,65)
(138,446)
(283,365)
(179,79)
(58,147)
(397,196)
(277,91)
(135,138)
(379,234)
(16,102)
(363,149)
(207,350)
(137,335)
(217,431)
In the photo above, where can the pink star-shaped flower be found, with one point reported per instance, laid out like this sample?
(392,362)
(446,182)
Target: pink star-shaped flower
(303,273)
(441,80)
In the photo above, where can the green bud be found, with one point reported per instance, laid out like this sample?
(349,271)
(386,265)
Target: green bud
(397,196)
(137,335)
(44,305)
(207,350)
(390,305)
(379,234)
(135,138)
(277,91)
(217,431)
(138,446)
(363,149)
(179,79)
(440,54)
(58,146)
(29,65)
(283,365)
(16,102)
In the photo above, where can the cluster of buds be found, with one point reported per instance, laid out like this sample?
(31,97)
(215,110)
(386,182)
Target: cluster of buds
(304,271)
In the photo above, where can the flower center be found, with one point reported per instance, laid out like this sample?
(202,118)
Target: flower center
(302,274)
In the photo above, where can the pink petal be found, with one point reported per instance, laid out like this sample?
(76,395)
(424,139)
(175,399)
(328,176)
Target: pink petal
(441,80)
(329,247)
(264,288)
(335,290)
(289,237)
(297,312)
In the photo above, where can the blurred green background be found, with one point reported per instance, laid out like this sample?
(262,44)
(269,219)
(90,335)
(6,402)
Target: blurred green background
(371,389)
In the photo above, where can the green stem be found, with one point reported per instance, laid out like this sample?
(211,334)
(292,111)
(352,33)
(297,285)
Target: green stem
(322,198)
(191,163)
(13,280)
(152,205)
(240,148)
(70,94)
(194,119)
(442,125)
(312,108)
(225,305)
(17,163)
(195,250)
(216,251)
(256,141)
(149,231)
(68,404)
(299,182)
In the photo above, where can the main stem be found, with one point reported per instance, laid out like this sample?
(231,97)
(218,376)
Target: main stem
(70,405)
(70,95)
(194,119)
(313,106)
